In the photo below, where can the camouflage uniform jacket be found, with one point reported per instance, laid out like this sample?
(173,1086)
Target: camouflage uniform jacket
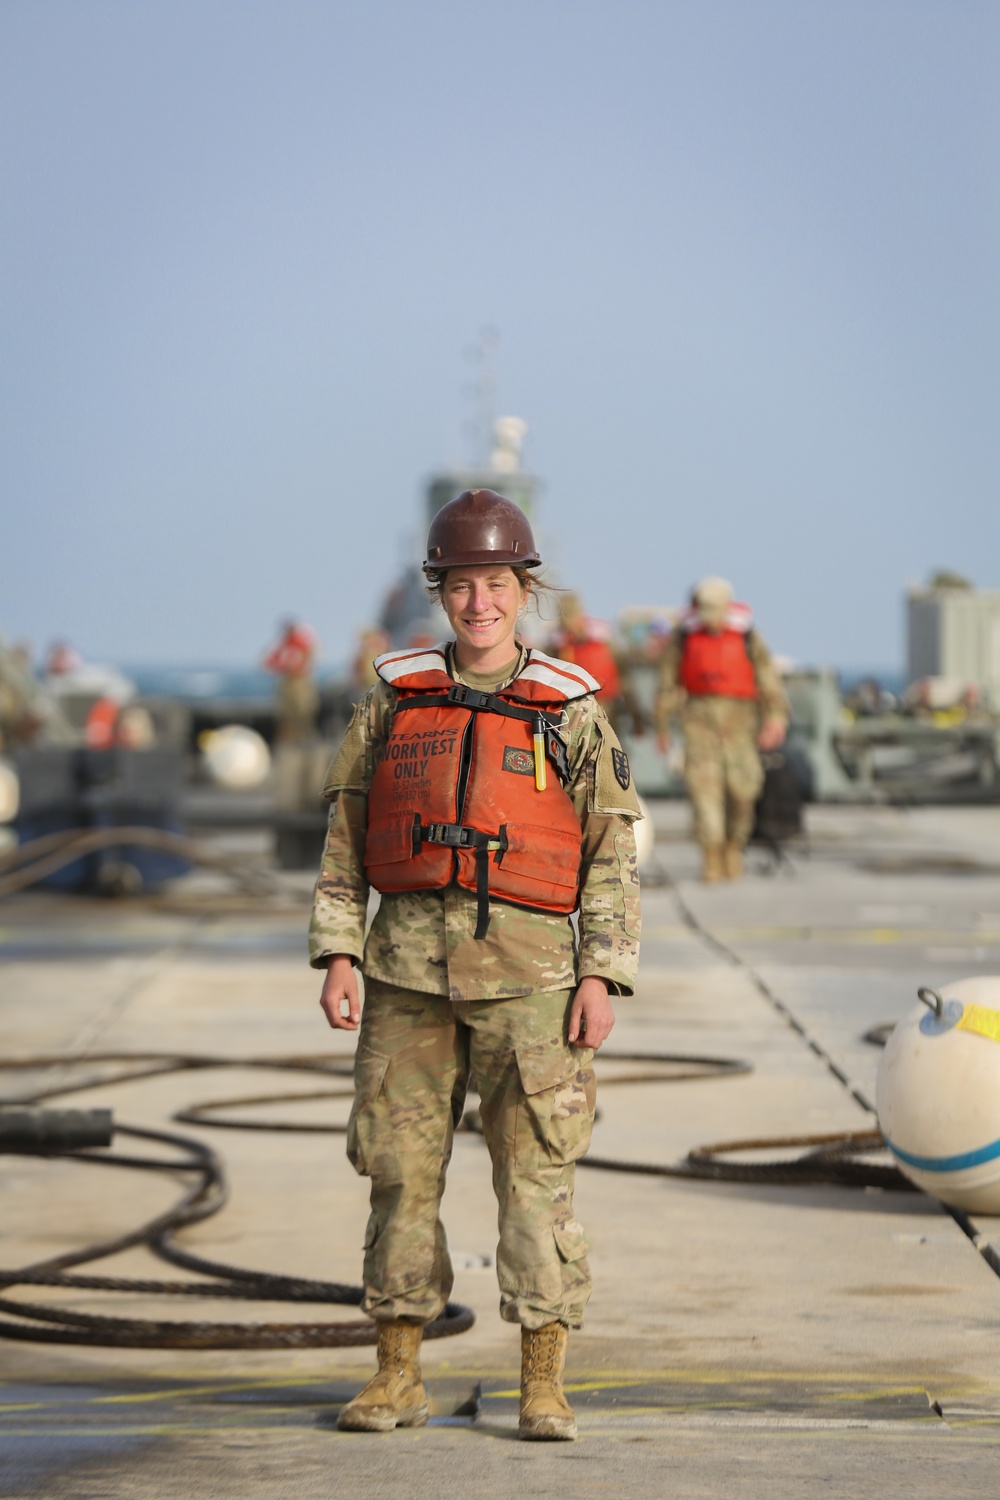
(671,697)
(424,940)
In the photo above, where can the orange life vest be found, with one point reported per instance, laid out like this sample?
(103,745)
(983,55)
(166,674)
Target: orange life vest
(597,658)
(717,665)
(292,656)
(100,730)
(454,797)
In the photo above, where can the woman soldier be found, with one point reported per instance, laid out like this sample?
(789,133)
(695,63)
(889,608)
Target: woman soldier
(482,791)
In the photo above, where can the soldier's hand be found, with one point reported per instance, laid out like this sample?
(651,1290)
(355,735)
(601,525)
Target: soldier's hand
(339,987)
(591,1015)
(772,735)
(663,741)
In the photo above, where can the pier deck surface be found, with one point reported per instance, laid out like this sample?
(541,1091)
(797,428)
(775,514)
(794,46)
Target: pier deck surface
(761,1341)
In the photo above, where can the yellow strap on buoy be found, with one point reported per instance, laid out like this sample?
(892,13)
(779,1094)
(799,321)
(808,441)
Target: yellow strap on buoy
(981,1020)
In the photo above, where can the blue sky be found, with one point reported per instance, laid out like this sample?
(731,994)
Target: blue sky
(741,255)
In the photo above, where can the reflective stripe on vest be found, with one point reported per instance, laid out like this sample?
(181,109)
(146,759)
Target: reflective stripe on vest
(717,665)
(454,799)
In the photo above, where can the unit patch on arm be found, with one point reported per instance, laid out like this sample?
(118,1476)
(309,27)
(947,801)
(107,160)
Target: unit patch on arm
(516,759)
(612,789)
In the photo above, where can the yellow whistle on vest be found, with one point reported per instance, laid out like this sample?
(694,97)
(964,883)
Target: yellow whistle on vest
(539,742)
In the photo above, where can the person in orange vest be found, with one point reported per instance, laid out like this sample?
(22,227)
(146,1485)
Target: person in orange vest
(293,660)
(101,729)
(587,642)
(372,642)
(481,790)
(62,659)
(717,677)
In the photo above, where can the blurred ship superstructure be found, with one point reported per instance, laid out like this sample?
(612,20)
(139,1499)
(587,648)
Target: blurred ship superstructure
(408,616)
(938,742)
(953,632)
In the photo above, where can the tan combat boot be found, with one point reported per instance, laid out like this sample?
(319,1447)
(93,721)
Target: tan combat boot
(395,1397)
(714,868)
(732,860)
(545,1412)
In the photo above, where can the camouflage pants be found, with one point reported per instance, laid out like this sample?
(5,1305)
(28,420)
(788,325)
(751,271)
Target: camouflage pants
(722,769)
(417,1053)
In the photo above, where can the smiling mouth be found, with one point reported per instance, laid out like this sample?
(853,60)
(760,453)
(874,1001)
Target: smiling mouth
(481,624)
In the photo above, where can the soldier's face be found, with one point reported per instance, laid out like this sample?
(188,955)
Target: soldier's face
(482,604)
(713,615)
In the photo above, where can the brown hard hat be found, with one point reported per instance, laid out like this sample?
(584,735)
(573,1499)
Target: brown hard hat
(480,526)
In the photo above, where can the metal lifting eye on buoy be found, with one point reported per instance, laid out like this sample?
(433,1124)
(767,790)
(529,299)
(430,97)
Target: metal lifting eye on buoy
(932,999)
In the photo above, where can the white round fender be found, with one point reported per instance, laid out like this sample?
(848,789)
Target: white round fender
(938,1094)
(235,757)
(10,792)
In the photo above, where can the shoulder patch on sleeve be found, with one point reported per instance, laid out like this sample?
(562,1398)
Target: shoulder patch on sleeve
(614,788)
(350,768)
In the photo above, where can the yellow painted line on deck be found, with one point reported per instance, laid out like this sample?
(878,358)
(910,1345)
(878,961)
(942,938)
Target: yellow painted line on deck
(174,1393)
(850,936)
(159,1429)
(846,1385)
(593,1423)
(633,1382)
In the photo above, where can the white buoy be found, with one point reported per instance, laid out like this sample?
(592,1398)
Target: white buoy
(10,793)
(236,757)
(938,1094)
(645,836)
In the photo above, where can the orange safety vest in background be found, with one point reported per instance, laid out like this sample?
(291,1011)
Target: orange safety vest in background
(454,798)
(101,729)
(292,656)
(717,666)
(597,658)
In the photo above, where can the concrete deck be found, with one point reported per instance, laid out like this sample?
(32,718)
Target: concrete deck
(776,1341)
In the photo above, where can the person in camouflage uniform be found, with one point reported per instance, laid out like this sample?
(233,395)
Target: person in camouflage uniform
(727,719)
(587,641)
(517,1012)
(293,660)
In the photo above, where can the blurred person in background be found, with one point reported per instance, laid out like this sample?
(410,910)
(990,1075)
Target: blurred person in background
(717,677)
(971,708)
(62,659)
(869,700)
(947,703)
(293,660)
(110,724)
(372,642)
(588,642)
(21,711)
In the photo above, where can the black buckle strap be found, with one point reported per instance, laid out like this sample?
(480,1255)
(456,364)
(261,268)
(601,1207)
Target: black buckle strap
(470,697)
(454,835)
(459,836)
(467,697)
(482,893)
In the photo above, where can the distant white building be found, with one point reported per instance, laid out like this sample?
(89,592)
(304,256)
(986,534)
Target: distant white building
(953,631)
